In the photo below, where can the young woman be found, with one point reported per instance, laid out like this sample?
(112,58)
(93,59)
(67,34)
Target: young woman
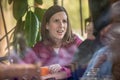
(58,44)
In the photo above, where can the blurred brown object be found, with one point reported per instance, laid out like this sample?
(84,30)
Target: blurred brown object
(19,72)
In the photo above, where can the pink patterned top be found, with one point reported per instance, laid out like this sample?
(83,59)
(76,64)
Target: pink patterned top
(65,54)
(48,56)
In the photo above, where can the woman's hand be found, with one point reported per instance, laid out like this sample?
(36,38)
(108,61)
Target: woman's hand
(54,68)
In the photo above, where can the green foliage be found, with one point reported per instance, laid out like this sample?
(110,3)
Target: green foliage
(31,28)
(39,12)
(19,8)
(39,2)
(28,21)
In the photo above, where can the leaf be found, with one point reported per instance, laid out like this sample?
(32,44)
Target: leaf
(39,12)
(39,2)
(31,28)
(38,37)
(19,8)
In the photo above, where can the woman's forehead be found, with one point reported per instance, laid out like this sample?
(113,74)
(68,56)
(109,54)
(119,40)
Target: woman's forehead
(61,14)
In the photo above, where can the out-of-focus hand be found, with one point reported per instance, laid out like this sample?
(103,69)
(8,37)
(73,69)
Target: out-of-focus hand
(101,59)
(55,68)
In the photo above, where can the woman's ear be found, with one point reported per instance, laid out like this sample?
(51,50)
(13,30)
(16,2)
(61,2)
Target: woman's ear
(47,27)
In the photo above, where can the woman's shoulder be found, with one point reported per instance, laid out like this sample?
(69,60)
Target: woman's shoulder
(77,40)
(38,45)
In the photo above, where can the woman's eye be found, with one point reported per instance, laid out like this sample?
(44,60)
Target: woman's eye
(64,21)
(56,20)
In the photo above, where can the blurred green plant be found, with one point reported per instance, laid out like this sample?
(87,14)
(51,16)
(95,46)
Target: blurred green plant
(28,21)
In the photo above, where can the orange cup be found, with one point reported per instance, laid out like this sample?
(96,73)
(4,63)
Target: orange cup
(44,71)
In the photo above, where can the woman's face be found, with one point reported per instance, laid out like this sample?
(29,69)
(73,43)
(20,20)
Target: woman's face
(57,26)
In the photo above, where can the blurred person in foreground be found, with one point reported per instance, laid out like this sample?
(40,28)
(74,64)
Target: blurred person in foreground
(99,18)
(114,45)
(102,58)
(94,41)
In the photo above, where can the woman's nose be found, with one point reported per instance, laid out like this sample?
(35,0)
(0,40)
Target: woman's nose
(61,24)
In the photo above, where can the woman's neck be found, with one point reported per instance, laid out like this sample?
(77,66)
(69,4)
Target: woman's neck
(58,44)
